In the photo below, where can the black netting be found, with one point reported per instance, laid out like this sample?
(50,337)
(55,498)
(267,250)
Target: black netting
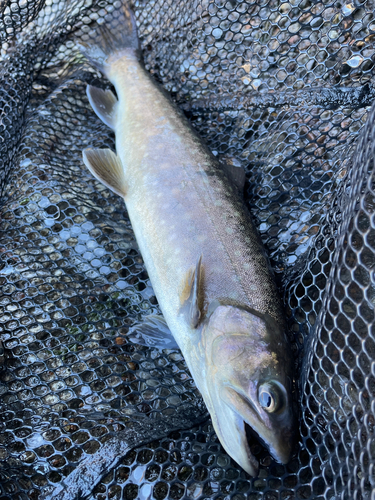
(286,88)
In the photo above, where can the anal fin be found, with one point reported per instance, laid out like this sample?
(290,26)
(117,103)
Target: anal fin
(106,166)
(103,102)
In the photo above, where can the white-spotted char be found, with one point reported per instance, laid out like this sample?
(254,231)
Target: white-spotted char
(204,258)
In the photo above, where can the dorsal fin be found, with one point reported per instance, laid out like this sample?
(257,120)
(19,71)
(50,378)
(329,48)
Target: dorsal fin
(103,102)
(106,166)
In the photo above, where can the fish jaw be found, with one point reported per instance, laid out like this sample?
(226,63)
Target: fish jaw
(242,359)
(230,429)
(275,431)
(231,411)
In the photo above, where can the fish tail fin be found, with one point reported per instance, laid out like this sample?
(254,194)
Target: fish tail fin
(116,37)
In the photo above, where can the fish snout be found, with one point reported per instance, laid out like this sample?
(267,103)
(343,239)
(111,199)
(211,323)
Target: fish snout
(243,415)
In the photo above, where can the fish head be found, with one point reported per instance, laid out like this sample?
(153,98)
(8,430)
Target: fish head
(249,383)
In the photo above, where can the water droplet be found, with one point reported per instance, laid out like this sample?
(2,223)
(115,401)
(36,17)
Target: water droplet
(217,32)
(256,84)
(347,9)
(355,61)
(333,34)
(145,492)
(25,163)
(34,440)
(138,474)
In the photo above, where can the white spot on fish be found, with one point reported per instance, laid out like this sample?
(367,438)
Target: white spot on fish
(132,69)
(229,230)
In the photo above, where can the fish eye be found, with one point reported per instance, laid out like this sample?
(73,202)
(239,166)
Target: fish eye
(270,397)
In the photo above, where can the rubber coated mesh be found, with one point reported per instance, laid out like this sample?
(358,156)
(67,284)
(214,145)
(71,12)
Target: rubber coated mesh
(287,89)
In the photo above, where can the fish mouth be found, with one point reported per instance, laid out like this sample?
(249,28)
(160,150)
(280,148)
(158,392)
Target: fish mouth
(230,427)
(250,464)
(239,421)
(253,437)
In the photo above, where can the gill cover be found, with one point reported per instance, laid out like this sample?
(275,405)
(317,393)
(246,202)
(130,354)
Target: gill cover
(248,383)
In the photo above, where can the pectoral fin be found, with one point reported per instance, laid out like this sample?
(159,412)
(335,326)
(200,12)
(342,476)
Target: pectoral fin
(153,332)
(103,102)
(192,306)
(106,166)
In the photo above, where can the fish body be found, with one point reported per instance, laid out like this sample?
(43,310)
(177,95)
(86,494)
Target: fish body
(202,253)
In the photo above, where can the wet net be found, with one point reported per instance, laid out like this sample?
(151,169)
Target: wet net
(285,88)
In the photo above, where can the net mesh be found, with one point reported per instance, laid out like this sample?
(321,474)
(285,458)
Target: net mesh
(286,88)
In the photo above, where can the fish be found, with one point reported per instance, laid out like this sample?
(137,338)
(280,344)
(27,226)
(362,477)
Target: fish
(205,260)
